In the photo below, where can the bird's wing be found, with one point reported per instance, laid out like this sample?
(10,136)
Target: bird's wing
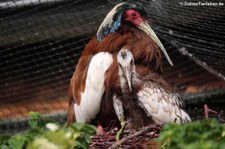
(161,105)
(70,114)
(90,98)
(118,107)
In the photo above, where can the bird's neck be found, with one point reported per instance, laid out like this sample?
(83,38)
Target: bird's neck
(145,50)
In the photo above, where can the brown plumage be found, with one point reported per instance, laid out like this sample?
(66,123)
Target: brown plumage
(126,37)
(133,113)
(130,32)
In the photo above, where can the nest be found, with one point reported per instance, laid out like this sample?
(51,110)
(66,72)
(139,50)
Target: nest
(131,138)
(142,137)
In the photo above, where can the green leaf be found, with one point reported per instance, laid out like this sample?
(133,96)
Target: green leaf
(17,142)
(39,136)
(4,147)
(204,134)
(42,143)
(80,145)
(89,129)
(4,138)
(37,121)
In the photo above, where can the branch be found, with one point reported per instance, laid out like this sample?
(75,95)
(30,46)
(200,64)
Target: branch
(142,131)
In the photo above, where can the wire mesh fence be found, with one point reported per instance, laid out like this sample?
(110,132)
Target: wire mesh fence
(41,41)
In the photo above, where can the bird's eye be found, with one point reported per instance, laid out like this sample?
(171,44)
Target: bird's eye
(133,14)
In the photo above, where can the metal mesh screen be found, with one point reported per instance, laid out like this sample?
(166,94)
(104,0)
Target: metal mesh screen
(41,41)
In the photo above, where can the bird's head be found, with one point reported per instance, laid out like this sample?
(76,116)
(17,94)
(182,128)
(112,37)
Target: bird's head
(133,14)
(125,61)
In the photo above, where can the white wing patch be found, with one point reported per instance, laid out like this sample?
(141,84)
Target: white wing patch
(118,107)
(162,106)
(94,88)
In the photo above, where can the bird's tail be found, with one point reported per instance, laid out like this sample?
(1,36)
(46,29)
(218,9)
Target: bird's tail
(71,113)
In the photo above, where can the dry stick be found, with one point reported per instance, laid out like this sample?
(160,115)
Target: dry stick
(143,130)
(206,111)
(212,111)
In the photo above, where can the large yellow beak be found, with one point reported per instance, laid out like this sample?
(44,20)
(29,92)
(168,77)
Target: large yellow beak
(148,30)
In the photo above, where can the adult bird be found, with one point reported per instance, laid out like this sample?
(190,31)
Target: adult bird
(125,26)
(144,99)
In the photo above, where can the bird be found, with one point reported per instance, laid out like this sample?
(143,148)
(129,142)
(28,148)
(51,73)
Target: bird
(125,26)
(145,99)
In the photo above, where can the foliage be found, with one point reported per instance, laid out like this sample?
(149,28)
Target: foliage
(45,133)
(204,134)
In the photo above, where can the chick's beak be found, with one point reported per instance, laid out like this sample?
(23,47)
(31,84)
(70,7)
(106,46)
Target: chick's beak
(128,77)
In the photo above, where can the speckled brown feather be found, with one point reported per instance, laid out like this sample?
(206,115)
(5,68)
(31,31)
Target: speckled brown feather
(156,82)
(134,113)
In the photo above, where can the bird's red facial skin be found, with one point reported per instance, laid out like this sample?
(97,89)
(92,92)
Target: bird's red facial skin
(133,16)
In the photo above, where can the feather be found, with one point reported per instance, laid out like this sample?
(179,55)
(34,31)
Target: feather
(151,98)
(94,88)
(93,85)
(110,24)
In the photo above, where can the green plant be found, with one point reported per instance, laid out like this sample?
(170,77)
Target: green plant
(204,134)
(45,133)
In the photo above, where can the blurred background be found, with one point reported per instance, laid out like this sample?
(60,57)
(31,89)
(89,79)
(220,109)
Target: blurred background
(41,42)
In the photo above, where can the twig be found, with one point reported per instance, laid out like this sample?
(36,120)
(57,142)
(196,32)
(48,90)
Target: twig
(143,130)
(220,117)
(206,111)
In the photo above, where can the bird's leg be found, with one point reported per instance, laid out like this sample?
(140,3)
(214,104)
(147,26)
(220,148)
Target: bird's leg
(118,107)
(122,123)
